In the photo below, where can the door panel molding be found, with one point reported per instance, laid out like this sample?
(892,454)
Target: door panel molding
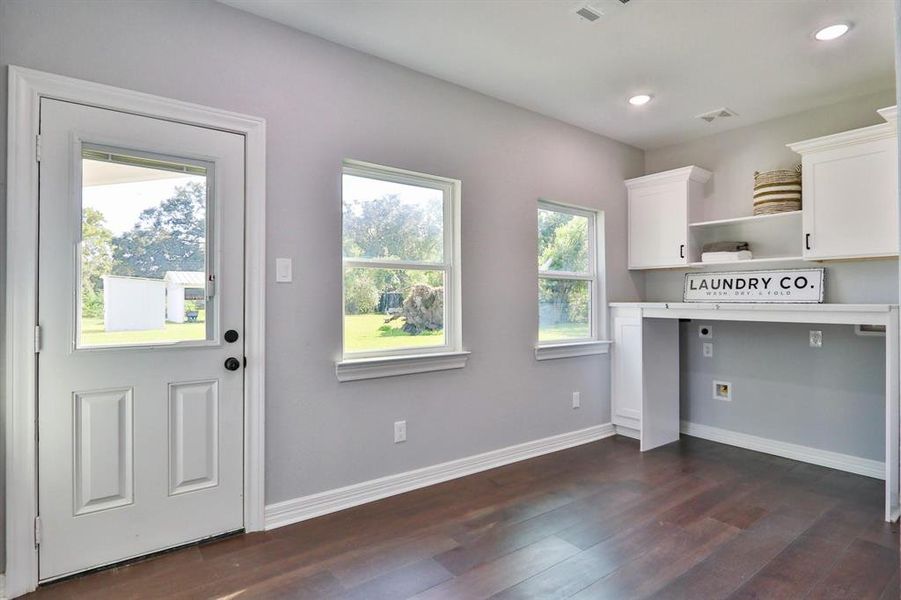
(104,449)
(26,88)
(193,436)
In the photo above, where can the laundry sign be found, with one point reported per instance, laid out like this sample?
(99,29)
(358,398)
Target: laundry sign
(781,286)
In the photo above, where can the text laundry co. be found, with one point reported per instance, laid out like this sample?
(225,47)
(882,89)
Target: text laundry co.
(796,285)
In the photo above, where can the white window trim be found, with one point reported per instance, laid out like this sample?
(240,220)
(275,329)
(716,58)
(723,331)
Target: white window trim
(596,343)
(389,366)
(550,351)
(386,363)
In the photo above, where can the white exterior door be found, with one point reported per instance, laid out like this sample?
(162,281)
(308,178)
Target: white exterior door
(140,412)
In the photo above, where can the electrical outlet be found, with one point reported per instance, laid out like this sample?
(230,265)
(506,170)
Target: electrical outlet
(708,349)
(577,399)
(816,338)
(722,390)
(400,431)
(705,332)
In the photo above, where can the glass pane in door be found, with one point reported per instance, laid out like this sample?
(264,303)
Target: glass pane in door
(143,253)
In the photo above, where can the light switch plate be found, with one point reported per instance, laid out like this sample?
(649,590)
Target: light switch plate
(708,349)
(400,432)
(283,270)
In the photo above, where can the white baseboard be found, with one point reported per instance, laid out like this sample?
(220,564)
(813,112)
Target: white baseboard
(627,431)
(824,458)
(315,505)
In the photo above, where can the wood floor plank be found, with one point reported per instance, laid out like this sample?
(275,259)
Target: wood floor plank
(734,562)
(892,590)
(693,519)
(576,573)
(491,577)
(807,560)
(502,540)
(589,532)
(401,583)
(285,586)
(371,562)
(666,559)
(863,571)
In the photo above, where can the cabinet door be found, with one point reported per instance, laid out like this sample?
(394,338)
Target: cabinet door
(658,226)
(850,201)
(627,379)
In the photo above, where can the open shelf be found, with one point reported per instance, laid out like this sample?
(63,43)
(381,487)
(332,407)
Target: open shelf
(742,220)
(751,261)
(775,238)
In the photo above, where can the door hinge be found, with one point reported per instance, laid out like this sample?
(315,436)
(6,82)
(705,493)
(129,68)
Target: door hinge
(37,338)
(37,147)
(37,531)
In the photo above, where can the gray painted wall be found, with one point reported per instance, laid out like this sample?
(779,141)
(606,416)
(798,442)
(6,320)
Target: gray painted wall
(830,398)
(324,103)
(784,390)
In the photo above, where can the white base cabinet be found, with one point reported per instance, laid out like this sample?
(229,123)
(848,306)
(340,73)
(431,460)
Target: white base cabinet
(645,377)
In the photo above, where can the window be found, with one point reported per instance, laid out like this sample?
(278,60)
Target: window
(401,263)
(143,259)
(569,286)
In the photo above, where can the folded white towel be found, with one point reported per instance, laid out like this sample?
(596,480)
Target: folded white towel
(716,257)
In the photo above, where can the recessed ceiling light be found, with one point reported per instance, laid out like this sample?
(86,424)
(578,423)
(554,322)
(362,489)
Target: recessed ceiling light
(639,100)
(832,32)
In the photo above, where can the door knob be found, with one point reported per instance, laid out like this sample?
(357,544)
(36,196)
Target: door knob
(231,336)
(232,363)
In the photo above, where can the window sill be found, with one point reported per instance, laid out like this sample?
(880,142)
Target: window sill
(567,350)
(390,366)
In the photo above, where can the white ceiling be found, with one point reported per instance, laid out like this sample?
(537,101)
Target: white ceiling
(757,57)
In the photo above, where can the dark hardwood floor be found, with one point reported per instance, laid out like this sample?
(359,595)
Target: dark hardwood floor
(693,520)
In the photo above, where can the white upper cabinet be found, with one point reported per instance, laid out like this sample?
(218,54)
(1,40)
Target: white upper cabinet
(850,187)
(660,206)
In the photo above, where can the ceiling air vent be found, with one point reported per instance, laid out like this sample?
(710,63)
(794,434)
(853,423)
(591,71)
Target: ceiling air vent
(589,13)
(720,113)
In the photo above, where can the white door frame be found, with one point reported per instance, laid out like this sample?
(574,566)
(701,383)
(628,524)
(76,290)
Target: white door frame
(26,88)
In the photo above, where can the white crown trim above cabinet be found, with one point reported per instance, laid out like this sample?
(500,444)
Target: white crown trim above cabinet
(850,190)
(660,208)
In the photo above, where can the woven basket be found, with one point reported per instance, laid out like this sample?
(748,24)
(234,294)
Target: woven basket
(777,191)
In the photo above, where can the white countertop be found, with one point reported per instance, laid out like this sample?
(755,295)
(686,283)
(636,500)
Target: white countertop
(848,314)
(773,307)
